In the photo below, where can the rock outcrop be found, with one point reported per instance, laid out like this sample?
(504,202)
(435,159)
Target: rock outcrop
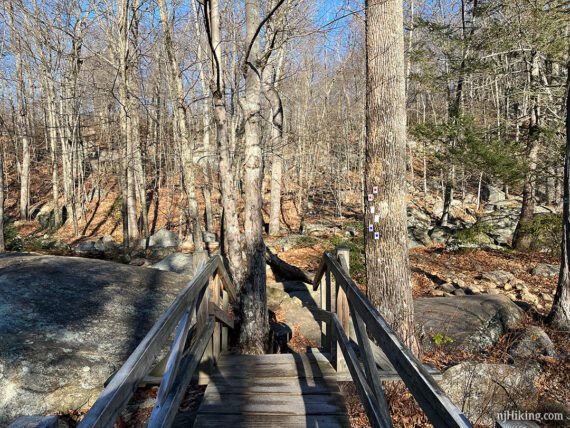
(483,391)
(465,322)
(67,324)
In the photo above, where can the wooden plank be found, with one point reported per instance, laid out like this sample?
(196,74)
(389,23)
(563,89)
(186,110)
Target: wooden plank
(387,375)
(225,332)
(221,315)
(437,406)
(268,371)
(273,385)
(324,306)
(370,366)
(273,358)
(376,417)
(163,415)
(116,395)
(319,274)
(274,404)
(175,355)
(229,286)
(276,421)
(213,304)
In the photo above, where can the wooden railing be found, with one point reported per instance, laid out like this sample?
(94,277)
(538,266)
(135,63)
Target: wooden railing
(199,319)
(343,304)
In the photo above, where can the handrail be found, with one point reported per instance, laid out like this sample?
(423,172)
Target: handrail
(198,302)
(368,323)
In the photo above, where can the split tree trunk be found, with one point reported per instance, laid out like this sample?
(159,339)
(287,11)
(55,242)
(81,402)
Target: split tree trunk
(387,262)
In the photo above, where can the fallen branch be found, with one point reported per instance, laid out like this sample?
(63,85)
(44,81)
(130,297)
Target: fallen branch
(284,269)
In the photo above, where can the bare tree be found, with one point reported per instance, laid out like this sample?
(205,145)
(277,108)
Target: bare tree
(387,263)
(559,315)
(181,132)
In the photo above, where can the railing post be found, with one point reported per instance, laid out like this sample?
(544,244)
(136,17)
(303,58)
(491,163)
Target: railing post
(216,336)
(225,330)
(202,315)
(326,304)
(342,309)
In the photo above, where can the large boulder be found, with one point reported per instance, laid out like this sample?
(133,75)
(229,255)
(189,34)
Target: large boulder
(176,262)
(418,237)
(67,324)
(465,322)
(500,223)
(493,194)
(532,342)
(546,270)
(96,247)
(484,391)
(163,238)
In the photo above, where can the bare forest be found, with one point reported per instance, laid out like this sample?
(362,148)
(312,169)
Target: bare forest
(427,139)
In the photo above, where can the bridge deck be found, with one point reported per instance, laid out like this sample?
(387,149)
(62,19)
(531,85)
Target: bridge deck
(280,390)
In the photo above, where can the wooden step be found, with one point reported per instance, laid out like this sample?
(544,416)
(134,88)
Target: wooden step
(268,404)
(278,370)
(277,421)
(284,390)
(272,385)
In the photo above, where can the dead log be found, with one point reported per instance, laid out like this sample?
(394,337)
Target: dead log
(284,270)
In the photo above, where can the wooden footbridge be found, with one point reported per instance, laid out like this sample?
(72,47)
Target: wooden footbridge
(276,390)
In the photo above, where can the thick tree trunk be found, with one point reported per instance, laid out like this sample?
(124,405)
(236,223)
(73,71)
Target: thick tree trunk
(387,263)
(254,329)
(560,313)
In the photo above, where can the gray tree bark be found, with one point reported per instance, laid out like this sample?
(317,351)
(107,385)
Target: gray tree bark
(387,262)
(522,240)
(254,329)
(182,134)
(231,229)
(559,315)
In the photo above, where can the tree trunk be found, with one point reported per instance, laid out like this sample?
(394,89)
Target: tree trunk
(231,231)
(23,130)
(182,133)
(270,78)
(522,239)
(387,262)
(254,328)
(560,313)
(2,243)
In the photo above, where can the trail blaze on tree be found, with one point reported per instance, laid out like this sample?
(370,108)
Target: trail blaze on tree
(387,263)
